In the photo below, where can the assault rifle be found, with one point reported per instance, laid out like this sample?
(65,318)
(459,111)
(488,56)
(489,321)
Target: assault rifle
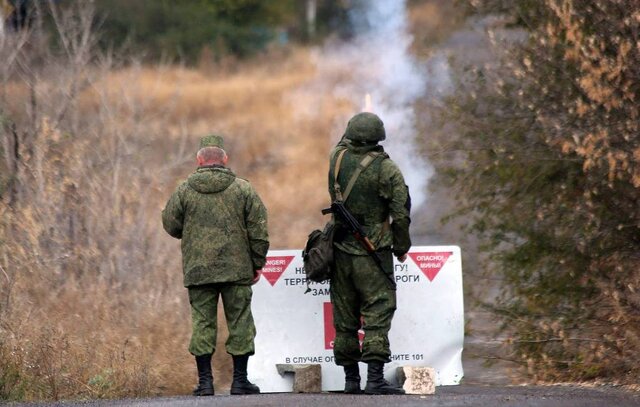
(354,227)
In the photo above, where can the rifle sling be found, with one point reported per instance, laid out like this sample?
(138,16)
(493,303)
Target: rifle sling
(336,170)
(364,163)
(368,159)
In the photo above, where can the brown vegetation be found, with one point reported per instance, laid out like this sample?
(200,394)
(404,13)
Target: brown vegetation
(92,298)
(547,167)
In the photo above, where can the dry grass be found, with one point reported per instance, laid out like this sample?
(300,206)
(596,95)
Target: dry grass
(91,296)
(95,305)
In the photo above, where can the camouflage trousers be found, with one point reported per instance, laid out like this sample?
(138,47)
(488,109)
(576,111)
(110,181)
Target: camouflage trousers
(362,297)
(236,300)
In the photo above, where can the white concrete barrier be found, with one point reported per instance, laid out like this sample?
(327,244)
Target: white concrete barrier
(296,328)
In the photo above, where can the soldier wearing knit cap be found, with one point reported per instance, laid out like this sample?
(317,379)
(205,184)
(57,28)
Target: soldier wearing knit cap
(212,140)
(223,227)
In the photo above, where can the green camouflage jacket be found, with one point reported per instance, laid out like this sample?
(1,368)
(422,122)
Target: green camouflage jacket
(223,226)
(378,194)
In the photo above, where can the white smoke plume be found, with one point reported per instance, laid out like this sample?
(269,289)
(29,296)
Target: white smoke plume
(377,61)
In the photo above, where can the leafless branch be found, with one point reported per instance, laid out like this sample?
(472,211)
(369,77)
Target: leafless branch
(5,275)
(548,340)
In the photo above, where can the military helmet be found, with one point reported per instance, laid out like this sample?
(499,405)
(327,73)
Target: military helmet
(365,127)
(212,140)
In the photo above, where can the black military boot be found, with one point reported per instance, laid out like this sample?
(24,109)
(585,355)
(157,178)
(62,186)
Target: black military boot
(376,384)
(240,384)
(352,379)
(205,377)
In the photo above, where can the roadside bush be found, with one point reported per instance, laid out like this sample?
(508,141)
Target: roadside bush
(548,167)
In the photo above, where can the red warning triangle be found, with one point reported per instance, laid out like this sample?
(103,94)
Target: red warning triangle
(276,265)
(430,262)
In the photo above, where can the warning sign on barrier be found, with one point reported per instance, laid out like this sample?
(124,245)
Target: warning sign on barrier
(276,265)
(430,262)
(295,327)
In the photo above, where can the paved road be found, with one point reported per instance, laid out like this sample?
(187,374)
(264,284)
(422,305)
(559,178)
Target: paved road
(447,396)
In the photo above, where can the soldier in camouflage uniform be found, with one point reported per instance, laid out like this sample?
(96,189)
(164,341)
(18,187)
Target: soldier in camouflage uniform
(360,292)
(223,226)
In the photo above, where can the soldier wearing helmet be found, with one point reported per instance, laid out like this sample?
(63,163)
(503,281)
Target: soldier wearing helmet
(361,295)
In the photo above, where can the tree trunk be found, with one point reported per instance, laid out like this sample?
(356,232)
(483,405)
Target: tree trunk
(312,7)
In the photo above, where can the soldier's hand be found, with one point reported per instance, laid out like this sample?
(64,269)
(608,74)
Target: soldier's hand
(402,258)
(256,277)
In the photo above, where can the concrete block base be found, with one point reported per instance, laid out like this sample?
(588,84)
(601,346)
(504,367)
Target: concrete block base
(306,378)
(417,380)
